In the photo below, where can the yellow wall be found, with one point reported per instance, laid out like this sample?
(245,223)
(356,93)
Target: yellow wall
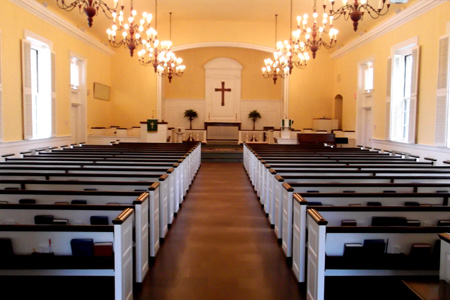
(133,90)
(13,22)
(428,28)
(192,84)
(310,95)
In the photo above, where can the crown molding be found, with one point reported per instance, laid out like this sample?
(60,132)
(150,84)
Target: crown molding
(223,44)
(405,16)
(41,12)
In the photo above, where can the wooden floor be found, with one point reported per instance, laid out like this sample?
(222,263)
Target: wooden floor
(220,246)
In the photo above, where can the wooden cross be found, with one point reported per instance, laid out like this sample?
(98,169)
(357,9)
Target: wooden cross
(223,90)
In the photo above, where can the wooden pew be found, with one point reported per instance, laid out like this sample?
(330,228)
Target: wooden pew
(326,246)
(174,184)
(26,237)
(280,192)
(285,220)
(435,289)
(144,233)
(101,186)
(163,187)
(426,215)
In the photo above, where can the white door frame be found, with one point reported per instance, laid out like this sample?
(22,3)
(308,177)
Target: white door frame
(363,103)
(82,96)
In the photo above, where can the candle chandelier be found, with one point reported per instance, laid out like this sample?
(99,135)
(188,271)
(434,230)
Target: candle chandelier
(161,57)
(278,66)
(89,7)
(357,10)
(287,55)
(314,34)
(131,32)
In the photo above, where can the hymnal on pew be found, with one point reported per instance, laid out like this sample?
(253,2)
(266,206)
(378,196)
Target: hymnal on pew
(413,223)
(82,247)
(103,249)
(78,202)
(375,247)
(352,250)
(6,248)
(60,222)
(443,223)
(348,223)
(99,220)
(27,201)
(388,221)
(43,219)
(420,251)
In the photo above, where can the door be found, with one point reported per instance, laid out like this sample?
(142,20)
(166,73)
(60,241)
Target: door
(367,126)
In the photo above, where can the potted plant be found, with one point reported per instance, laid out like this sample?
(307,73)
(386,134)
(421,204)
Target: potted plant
(254,115)
(191,115)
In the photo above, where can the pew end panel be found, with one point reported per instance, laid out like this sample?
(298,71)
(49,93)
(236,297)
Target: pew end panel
(25,238)
(299,238)
(444,271)
(326,247)
(286,242)
(154,222)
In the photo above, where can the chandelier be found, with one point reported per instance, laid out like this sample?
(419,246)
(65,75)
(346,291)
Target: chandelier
(132,31)
(276,68)
(314,34)
(161,57)
(357,10)
(169,64)
(287,55)
(89,7)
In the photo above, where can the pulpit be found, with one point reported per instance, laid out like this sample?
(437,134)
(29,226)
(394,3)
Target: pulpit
(158,135)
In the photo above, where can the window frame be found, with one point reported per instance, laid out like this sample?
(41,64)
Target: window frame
(401,110)
(30,110)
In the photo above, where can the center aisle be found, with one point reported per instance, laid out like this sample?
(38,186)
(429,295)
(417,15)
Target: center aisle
(220,246)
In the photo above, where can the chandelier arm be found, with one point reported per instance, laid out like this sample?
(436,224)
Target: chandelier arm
(66,7)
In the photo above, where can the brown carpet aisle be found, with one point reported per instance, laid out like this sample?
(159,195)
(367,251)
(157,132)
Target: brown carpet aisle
(220,246)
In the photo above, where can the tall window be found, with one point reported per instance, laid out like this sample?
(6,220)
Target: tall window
(442,125)
(368,77)
(74,74)
(403,94)
(38,88)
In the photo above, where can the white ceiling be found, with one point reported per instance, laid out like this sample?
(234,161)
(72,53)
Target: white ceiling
(225,10)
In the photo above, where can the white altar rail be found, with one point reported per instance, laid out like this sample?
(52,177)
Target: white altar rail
(197,135)
(106,136)
(257,136)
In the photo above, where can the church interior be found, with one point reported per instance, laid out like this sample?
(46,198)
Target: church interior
(192,77)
